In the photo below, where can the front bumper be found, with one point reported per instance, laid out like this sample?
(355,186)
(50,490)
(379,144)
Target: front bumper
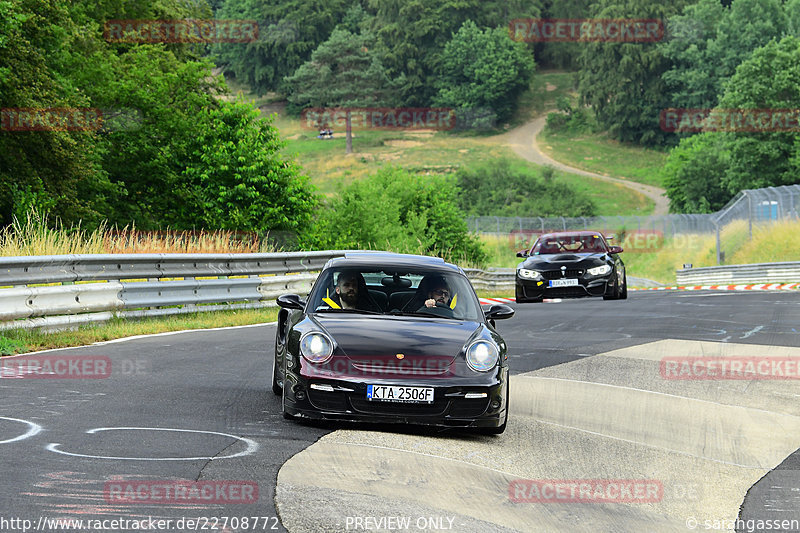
(588,286)
(348,402)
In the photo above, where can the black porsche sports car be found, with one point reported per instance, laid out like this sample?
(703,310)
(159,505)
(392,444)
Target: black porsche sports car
(392,338)
(571,264)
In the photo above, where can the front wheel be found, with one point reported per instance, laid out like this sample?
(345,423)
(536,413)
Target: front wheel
(623,295)
(277,383)
(614,295)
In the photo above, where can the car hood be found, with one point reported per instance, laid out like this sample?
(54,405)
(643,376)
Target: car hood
(378,340)
(549,261)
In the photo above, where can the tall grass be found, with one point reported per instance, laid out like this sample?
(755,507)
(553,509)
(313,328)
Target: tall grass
(36,235)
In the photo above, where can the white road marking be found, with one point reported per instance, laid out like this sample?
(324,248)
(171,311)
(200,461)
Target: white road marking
(752,332)
(252,446)
(35,429)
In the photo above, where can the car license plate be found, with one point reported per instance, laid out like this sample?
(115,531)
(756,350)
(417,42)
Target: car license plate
(563,282)
(394,393)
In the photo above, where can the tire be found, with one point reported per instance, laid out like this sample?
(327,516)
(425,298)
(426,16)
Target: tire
(614,292)
(623,295)
(286,415)
(277,385)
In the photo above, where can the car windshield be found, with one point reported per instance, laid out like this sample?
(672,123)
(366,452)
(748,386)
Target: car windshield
(390,292)
(575,244)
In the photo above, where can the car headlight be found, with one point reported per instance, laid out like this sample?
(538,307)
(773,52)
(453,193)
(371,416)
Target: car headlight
(316,347)
(528,274)
(482,355)
(599,271)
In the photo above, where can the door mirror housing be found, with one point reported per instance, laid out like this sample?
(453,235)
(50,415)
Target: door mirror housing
(498,312)
(291,301)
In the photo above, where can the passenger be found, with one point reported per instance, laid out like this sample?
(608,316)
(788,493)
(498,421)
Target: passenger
(352,293)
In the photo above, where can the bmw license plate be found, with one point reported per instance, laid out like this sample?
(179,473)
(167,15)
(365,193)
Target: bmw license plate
(563,282)
(394,393)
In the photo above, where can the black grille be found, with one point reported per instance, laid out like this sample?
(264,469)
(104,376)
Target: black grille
(361,405)
(556,274)
(328,401)
(469,408)
(566,292)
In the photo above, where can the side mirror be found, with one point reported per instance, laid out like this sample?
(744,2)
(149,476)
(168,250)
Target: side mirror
(498,312)
(291,301)
(615,250)
(522,253)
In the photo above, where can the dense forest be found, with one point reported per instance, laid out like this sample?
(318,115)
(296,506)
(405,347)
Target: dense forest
(175,150)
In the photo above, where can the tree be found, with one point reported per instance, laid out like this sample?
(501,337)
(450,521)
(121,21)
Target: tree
(694,174)
(412,34)
(705,61)
(623,81)
(706,170)
(288,33)
(769,79)
(483,69)
(54,171)
(238,180)
(344,72)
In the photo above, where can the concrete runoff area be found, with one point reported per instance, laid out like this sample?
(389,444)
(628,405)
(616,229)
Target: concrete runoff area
(610,417)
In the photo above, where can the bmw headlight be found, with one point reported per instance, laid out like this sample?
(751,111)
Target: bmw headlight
(599,271)
(482,355)
(529,274)
(316,347)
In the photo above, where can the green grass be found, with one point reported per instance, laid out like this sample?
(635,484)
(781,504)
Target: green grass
(26,340)
(597,153)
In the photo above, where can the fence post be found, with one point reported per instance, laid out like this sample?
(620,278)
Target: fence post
(716,224)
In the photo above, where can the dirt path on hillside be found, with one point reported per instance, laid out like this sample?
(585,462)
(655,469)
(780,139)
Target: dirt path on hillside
(523,141)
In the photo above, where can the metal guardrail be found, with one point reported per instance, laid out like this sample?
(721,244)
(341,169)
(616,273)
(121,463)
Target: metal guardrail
(56,292)
(740,274)
(68,290)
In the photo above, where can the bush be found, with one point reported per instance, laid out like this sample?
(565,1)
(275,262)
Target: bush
(498,189)
(398,211)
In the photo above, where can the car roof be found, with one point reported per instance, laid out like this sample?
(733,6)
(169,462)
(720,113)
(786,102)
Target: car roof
(392,260)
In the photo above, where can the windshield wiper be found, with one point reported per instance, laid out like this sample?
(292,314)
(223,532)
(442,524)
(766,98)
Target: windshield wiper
(356,311)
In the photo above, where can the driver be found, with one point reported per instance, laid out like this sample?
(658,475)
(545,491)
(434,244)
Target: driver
(438,293)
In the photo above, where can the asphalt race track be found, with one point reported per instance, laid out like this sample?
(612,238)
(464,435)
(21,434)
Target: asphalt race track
(593,404)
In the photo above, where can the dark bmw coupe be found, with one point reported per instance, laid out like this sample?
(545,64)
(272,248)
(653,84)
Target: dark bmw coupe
(571,264)
(392,338)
